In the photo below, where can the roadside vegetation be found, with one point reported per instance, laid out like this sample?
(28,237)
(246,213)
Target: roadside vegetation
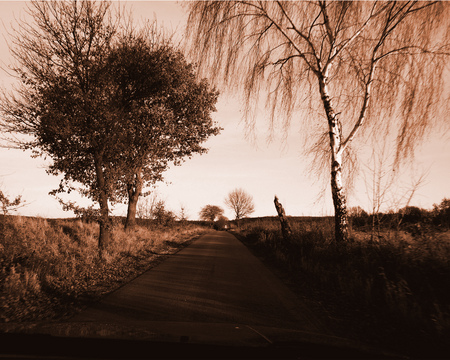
(50,268)
(388,283)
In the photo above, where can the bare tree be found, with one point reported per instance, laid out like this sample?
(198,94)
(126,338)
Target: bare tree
(241,203)
(351,67)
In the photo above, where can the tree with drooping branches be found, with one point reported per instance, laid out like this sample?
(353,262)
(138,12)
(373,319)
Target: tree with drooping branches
(344,70)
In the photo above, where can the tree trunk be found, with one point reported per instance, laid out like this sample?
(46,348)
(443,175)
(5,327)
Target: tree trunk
(134,189)
(337,191)
(131,211)
(339,202)
(104,221)
(285,227)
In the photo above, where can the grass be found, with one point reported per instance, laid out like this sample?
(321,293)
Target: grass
(395,286)
(50,268)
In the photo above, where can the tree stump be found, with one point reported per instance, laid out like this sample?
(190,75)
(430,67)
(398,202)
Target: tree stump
(285,227)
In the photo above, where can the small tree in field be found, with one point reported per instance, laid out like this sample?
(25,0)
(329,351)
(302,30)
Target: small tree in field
(241,203)
(351,67)
(210,213)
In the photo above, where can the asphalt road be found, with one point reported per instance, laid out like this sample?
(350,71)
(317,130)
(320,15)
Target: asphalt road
(213,291)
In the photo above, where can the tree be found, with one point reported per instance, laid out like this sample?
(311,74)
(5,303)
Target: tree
(241,203)
(111,106)
(352,67)
(61,62)
(165,112)
(210,213)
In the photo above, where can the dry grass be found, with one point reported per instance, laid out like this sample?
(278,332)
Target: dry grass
(396,277)
(49,268)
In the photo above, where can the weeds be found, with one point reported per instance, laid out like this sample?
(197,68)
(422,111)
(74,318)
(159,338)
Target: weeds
(51,267)
(397,276)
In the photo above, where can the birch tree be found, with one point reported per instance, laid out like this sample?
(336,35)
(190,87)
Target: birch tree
(340,70)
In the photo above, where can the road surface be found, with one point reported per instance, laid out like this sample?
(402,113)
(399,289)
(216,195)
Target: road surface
(209,289)
(216,280)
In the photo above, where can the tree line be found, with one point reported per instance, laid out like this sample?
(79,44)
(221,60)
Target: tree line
(111,105)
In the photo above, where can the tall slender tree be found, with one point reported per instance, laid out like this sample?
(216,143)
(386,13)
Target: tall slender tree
(346,66)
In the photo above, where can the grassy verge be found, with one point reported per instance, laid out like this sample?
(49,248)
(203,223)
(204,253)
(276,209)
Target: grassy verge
(50,268)
(393,291)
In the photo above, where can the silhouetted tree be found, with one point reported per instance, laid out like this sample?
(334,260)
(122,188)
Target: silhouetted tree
(61,59)
(349,66)
(165,113)
(210,212)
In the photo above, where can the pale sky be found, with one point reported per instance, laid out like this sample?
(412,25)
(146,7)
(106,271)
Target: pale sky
(262,169)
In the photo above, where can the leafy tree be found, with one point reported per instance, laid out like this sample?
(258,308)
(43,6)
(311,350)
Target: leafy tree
(353,68)
(165,112)
(61,62)
(111,108)
(241,203)
(210,213)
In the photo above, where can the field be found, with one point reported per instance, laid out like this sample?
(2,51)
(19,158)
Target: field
(390,286)
(50,268)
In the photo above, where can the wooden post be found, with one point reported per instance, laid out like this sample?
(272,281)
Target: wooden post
(285,227)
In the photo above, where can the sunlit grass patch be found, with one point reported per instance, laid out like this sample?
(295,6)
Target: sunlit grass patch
(50,267)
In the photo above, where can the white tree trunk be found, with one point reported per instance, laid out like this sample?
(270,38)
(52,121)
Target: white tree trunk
(337,190)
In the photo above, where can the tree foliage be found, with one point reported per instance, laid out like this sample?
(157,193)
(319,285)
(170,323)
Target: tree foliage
(210,213)
(343,69)
(241,203)
(110,105)
(61,101)
(165,111)
(8,204)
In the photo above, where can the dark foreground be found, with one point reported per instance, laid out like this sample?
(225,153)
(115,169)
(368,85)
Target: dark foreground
(213,299)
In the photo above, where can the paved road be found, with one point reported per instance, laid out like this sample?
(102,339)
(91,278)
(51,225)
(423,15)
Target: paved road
(210,288)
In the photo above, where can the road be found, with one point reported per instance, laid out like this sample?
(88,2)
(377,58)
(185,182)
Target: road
(215,280)
(208,290)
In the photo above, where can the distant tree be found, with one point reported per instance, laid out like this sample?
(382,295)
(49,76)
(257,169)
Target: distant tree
(353,67)
(210,213)
(163,216)
(241,203)
(183,215)
(147,205)
(441,213)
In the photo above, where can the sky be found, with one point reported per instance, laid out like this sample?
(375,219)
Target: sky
(261,168)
